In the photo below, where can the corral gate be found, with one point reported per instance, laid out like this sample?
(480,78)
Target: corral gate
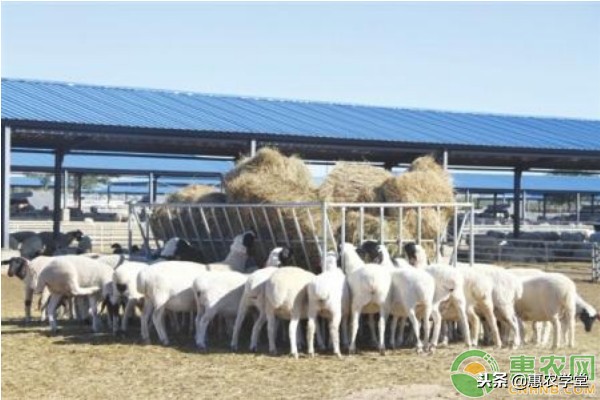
(311,229)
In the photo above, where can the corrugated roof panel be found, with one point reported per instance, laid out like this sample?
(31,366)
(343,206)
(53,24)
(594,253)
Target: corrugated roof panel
(534,183)
(172,110)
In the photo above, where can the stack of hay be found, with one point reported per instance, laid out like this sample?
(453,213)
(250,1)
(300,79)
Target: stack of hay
(424,182)
(169,222)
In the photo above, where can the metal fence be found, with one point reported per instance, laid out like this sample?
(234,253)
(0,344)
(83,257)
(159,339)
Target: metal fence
(596,262)
(310,229)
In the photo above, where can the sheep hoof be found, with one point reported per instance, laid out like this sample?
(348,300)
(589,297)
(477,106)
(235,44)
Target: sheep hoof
(273,352)
(253,349)
(311,355)
(382,352)
(419,350)
(201,349)
(295,355)
(339,355)
(234,348)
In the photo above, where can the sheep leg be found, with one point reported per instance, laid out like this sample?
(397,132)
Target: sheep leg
(474,321)
(546,328)
(28,300)
(293,330)
(145,321)
(271,330)
(344,324)
(94,314)
(202,322)
(310,333)
(437,325)
(51,309)
(239,319)
(463,320)
(556,326)
(492,324)
(127,313)
(159,323)
(426,328)
(334,334)
(401,327)
(383,314)
(354,329)
(393,326)
(320,339)
(256,328)
(416,329)
(374,341)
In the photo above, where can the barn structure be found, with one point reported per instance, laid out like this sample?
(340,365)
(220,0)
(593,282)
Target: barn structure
(73,119)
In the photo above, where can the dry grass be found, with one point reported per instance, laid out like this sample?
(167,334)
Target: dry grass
(353,182)
(77,364)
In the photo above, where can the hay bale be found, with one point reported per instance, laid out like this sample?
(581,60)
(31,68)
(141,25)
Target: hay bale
(196,194)
(270,177)
(353,182)
(424,182)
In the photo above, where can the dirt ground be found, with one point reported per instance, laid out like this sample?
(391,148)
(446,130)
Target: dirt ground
(77,364)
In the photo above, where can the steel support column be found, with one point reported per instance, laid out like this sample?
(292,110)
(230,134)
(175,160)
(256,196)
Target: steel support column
(544,205)
(154,187)
(6,146)
(59,156)
(518,174)
(445,159)
(151,188)
(252,148)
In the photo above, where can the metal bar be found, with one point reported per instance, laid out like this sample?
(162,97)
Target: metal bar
(331,234)
(343,236)
(163,231)
(381,226)
(183,229)
(285,235)
(228,220)
(240,219)
(59,156)
(268,222)
(258,235)
(171,224)
(438,246)
(313,229)
(6,171)
(445,159)
(301,238)
(400,228)
(517,202)
(456,238)
(146,230)
(209,233)
(472,237)
(219,231)
(361,225)
(324,233)
(578,205)
(150,188)
(194,227)
(65,196)
(129,229)
(252,148)
(419,234)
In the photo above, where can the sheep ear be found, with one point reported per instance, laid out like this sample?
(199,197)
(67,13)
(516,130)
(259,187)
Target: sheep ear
(6,262)
(248,240)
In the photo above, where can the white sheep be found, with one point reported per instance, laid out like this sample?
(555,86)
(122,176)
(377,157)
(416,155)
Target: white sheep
(216,293)
(412,292)
(369,290)
(167,285)
(286,297)
(254,295)
(550,297)
(125,289)
(75,276)
(329,297)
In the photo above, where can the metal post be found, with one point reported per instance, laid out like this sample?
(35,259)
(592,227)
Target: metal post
(129,228)
(495,204)
(252,148)
(472,237)
(65,189)
(151,188)
(578,205)
(154,188)
(544,204)
(593,206)
(445,159)
(59,156)
(77,190)
(524,213)
(517,202)
(324,223)
(108,194)
(6,146)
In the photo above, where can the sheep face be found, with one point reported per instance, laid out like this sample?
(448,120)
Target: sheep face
(16,267)
(243,243)
(410,249)
(588,320)
(372,252)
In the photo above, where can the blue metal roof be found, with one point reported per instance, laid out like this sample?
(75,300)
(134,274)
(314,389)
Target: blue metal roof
(121,163)
(36,101)
(534,183)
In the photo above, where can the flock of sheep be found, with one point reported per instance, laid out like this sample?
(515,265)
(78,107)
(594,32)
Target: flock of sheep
(361,284)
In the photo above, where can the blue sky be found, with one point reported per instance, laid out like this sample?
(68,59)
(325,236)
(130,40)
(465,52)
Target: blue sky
(516,58)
